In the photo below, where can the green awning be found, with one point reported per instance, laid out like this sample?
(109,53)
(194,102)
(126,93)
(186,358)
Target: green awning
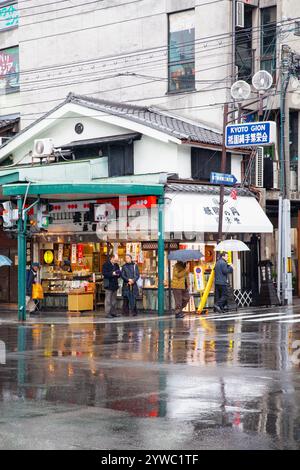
(10,177)
(75,189)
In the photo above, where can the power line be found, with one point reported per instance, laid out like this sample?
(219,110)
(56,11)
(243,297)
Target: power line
(143,52)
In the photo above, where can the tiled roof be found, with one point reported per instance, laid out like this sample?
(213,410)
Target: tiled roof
(204,189)
(155,119)
(8,122)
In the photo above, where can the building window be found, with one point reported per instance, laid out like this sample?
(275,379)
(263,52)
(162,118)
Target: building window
(9,70)
(268,40)
(205,161)
(243,47)
(9,15)
(182,51)
(120,160)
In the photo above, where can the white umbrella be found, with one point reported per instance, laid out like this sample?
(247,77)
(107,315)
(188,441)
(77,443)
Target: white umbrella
(232,245)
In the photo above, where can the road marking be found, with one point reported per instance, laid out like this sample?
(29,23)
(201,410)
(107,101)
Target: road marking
(275,318)
(221,315)
(255,316)
(290,321)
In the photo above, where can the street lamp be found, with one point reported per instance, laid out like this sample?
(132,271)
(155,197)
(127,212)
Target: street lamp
(240,91)
(262,81)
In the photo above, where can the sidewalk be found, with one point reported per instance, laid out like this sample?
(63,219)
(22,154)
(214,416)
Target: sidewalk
(10,316)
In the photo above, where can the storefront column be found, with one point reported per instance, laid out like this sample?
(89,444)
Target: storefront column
(21,263)
(161,257)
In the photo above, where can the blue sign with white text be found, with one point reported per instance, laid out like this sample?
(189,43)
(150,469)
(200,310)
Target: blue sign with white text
(250,134)
(223,178)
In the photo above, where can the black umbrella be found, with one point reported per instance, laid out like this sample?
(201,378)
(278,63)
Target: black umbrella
(185,255)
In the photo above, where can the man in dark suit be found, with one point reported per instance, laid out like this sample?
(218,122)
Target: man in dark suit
(111,273)
(222,269)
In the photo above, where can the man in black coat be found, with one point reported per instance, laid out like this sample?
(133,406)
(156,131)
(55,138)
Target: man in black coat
(111,273)
(130,291)
(222,269)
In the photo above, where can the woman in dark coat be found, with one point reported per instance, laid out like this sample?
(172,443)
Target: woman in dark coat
(130,291)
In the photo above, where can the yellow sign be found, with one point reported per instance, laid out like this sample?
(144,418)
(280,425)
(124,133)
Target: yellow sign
(229,257)
(48,257)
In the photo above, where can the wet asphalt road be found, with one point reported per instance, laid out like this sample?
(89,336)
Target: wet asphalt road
(210,382)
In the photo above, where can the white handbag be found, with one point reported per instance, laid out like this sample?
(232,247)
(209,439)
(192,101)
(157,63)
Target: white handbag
(139,281)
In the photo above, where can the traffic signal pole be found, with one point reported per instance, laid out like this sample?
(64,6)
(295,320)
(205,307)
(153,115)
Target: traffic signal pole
(22,228)
(21,262)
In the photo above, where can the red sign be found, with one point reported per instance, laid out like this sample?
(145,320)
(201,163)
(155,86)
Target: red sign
(139,202)
(80,252)
(233,194)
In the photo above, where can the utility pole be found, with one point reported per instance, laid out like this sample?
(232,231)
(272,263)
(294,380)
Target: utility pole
(284,278)
(223,170)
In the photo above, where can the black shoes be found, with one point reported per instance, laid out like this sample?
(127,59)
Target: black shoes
(218,309)
(179,315)
(111,315)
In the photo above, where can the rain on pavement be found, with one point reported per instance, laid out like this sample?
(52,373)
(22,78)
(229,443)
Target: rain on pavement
(209,382)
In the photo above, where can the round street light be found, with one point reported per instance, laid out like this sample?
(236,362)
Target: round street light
(240,90)
(262,80)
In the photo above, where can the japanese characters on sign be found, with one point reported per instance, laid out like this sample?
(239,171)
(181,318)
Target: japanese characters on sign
(251,134)
(9,16)
(222,178)
(9,70)
(231,214)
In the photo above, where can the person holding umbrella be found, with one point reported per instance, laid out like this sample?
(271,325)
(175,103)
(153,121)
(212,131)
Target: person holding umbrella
(180,283)
(222,269)
(130,291)
(180,286)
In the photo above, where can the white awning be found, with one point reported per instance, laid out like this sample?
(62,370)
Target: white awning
(186,212)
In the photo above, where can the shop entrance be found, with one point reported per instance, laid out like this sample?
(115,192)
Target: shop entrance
(69,267)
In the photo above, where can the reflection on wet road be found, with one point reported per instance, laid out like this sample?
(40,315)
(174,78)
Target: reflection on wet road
(197,383)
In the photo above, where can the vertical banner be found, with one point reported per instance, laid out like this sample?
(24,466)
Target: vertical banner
(80,253)
(60,252)
(28,253)
(73,253)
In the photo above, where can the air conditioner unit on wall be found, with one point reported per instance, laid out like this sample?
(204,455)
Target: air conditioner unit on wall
(259,167)
(240,15)
(43,148)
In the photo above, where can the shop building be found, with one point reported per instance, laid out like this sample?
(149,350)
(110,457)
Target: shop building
(119,178)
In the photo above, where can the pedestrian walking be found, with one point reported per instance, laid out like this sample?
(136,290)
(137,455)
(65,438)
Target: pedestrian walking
(180,286)
(111,274)
(31,278)
(130,275)
(222,269)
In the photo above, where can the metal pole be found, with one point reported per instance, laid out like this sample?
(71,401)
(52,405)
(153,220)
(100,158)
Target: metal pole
(21,263)
(286,275)
(223,169)
(161,257)
(279,248)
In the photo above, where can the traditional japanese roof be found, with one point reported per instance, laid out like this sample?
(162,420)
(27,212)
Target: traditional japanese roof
(205,189)
(152,117)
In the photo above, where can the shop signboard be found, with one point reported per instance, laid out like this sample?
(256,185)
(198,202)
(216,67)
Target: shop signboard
(48,256)
(80,253)
(28,253)
(9,70)
(9,16)
(60,252)
(87,216)
(250,134)
(73,253)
